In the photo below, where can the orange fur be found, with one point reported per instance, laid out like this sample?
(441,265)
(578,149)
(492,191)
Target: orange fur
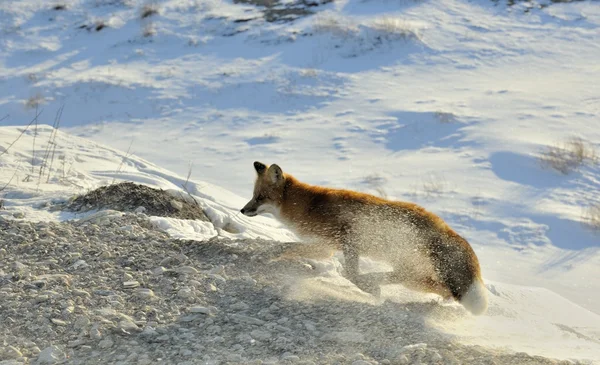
(335,217)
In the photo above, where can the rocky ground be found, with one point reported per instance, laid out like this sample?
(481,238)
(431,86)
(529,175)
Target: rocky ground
(112,289)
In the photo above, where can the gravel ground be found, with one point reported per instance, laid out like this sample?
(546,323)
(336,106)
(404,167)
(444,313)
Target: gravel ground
(111,289)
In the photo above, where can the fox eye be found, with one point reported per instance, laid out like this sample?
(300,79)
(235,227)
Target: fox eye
(260,198)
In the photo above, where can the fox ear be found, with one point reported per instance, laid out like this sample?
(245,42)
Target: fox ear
(259,167)
(275,174)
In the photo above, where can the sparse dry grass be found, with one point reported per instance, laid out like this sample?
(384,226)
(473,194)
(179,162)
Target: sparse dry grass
(99,25)
(149,9)
(34,101)
(444,117)
(395,27)
(568,156)
(591,217)
(433,184)
(376,183)
(330,23)
(148,30)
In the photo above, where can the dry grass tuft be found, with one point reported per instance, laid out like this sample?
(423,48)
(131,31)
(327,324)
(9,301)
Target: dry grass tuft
(34,101)
(149,10)
(149,30)
(568,156)
(396,28)
(591,217)
(444,117)
(376,183)
(328,22)
(58,7)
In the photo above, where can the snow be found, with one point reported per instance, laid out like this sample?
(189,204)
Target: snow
(446,103)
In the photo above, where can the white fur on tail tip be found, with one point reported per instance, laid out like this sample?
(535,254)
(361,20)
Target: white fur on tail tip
(475,299)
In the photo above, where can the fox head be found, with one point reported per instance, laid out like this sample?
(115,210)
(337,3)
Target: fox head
(268,190)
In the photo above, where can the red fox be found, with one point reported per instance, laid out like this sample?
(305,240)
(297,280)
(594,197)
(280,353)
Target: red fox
(425,253)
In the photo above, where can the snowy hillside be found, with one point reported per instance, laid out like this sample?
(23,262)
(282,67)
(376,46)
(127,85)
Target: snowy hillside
(452,104)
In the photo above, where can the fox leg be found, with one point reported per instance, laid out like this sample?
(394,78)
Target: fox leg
(352,272)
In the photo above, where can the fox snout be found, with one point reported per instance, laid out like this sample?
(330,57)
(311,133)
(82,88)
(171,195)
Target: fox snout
(250,209)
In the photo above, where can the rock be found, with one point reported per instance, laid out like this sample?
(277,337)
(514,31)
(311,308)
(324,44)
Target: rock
(185,293)
(288,357)
(239,306)
(81,322)
(95,333)
(158,271)
(260,335)
(79,264)
(413,347)
(130,284)
(19,215)
(80,293)
(361,362)
(51,355)
(199,309)
(186,270)
(18,266)
(58,322)
(106,343)
(239,318)
(144,293)
(402,359)
(128,326)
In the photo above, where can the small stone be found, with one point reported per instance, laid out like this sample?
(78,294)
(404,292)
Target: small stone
(361,362)
(80,293)
(288,357)
(149,332)
(105,255)
(199,309)
(131,284)
(140,209)
(95,333)
(185,293)
(240,306)
(412,347)
(144,293)
(260,335)
(58,322)
(18,266)
(106,343)
(436,356)
(127,277)
(402,359)
(128,326)
(79,264)
(19,215)
(211,288)
(163,338)
(51,355)
(81,322)
(158,271)
(186,270)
